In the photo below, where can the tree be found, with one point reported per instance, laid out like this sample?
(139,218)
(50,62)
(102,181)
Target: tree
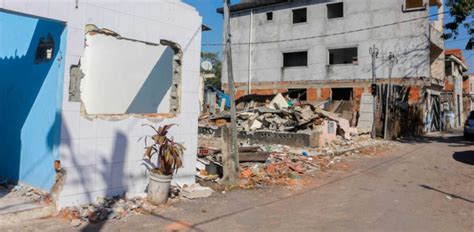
(216,68)
(460,10)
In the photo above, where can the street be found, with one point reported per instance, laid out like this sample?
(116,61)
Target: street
(419,185)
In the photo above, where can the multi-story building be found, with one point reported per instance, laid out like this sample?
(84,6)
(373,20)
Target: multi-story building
(321,47)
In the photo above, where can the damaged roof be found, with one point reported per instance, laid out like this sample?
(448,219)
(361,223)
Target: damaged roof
(250,4)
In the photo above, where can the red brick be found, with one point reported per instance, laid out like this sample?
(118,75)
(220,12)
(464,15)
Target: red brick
(311,94)
(325,94)
(357,92)
(414,95)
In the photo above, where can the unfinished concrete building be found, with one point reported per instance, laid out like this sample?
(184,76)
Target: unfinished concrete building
(79,78)
(452,95)
(321,48)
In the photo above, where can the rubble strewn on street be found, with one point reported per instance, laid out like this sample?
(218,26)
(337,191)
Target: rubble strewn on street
(26,192)
(279,143)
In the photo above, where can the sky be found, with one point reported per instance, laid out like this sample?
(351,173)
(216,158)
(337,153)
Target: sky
(212,19)
(207,9)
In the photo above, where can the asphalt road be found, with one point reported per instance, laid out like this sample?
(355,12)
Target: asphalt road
(420,185)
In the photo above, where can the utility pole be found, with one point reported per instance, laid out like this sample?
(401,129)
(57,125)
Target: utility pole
(231,156)
(374,52)
(392,60)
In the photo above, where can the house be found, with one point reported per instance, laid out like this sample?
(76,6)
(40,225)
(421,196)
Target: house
(468,91)
(79,78)
(322,48)
(452,94)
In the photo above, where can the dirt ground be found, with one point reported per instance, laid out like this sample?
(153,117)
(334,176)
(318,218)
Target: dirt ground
(419,185)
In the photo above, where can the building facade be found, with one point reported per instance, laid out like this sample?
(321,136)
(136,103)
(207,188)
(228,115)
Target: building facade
(79,78)
(322,48)
(453,91)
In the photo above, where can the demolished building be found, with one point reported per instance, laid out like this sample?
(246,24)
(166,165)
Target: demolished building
(79,78)
(320,50)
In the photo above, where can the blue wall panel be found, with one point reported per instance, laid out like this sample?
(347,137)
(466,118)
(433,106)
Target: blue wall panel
(30,99)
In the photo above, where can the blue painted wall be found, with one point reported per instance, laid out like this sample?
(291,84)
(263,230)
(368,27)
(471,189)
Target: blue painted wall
(30,99)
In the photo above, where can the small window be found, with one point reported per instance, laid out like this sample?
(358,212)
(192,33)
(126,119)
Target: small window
(44,51)
(299,94)
(295,59)
(414,4)
(341,94)
(269,16)
(299,15)
(335,10)
(343,56)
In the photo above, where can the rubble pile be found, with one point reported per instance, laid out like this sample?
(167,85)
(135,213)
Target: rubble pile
(293,119)
(26,192)
(104,209)
(281,169)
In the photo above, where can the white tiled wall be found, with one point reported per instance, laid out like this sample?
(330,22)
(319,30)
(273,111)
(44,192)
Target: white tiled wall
(103,157)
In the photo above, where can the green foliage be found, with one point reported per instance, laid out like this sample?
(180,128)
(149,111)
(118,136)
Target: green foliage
(169,152)
(461,11)
(216,68)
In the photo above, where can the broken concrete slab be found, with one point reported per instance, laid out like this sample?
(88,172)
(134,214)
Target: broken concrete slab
(278,102)
(196,191)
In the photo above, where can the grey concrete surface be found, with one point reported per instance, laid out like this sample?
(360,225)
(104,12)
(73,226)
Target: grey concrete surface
(420,185)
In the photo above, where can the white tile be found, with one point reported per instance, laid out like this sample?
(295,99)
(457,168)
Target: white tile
(68,152)
(86,179)
(87,128)
(111,20)
(69,124)
(76,44)
(93,15)
(38,8)
(126,26)
(15,5)
(103,178)
(77,16)
(59,9)
(140,27)
(105,129)
(118,174)
(87,152)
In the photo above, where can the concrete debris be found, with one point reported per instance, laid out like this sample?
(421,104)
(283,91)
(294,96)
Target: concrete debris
(104,209)
(196,191)
(278,102)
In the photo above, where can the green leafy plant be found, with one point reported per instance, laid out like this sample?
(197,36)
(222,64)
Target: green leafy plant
(169,152)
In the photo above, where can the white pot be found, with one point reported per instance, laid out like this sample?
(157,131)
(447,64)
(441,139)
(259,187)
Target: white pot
(158,188)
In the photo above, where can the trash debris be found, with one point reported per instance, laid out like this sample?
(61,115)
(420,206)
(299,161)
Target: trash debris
(196,191)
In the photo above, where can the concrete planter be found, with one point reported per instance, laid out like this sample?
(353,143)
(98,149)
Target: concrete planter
(158,188)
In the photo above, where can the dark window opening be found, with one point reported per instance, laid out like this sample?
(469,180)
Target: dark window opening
(343,56)
(44,51)
(413,4)
(299,15)
(269,16)
(341,94)
(297,94)
(335,10)
(295,59)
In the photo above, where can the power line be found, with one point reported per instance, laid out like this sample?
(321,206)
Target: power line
(333,34)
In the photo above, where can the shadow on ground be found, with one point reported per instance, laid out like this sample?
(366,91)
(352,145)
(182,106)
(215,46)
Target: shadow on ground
(466,157)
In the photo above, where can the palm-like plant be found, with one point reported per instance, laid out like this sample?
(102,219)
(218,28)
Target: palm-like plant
(169,152)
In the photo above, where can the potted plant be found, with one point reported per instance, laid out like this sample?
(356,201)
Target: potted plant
(168,161)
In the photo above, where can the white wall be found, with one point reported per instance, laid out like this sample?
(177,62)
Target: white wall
(409,41)
(103,157)
(124,76)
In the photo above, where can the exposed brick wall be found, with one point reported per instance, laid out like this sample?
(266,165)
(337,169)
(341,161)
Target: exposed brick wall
(325,94)
(262,91)
(449,87)
(311,94)
(414,95)
(239,93)
(357,93)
